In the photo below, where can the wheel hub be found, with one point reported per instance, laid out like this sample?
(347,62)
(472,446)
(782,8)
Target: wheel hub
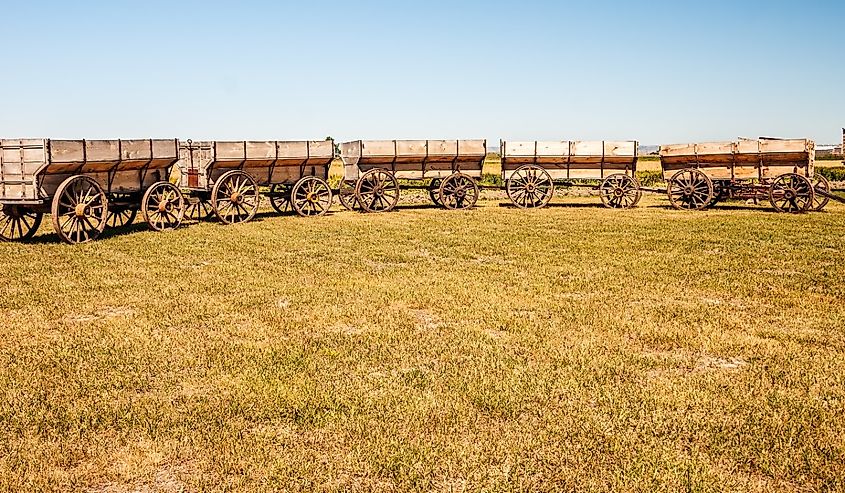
(460,193)
(789,193)
(311,197)
(529,187)
(378,191)
(81,210)
(618,192)
(688,191)
(236,198)
(165,206)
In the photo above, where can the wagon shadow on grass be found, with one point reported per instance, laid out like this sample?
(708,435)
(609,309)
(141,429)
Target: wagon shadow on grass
(666,207)
(54,239)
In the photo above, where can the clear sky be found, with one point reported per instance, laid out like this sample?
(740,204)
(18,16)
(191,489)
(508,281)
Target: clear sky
(657,72)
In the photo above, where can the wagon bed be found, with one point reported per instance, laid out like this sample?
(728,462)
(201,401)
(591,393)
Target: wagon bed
(373,168)
(531,169)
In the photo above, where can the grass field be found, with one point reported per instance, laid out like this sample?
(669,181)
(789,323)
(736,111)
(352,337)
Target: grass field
(570,348)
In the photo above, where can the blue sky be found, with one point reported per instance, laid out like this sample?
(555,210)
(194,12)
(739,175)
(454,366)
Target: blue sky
(658,72)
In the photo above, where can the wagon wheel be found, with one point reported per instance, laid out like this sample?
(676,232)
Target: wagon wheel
(311,196)
(434,191)
(820,184)
(280,198)
(199,210)
(163,206)
(122,217)
(530,187)
(235,197)
(80,209)
(18,223)
(620,191)
(690,189)
(377,191)
(718,194)
(346,195)
(458,191)
(791,193)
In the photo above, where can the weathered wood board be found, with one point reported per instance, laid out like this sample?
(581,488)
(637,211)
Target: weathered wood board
(575,160)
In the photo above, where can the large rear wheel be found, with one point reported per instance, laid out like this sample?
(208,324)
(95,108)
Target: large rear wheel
(690,189)
(377,190)
(458,191)
(80,210)
(530,187)
(18,223)
(235,197)
(346,195)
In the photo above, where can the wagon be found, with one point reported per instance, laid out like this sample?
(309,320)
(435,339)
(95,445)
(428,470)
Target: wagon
(781,171)
(531,170)
(373,170)
(85,185)
(225,178)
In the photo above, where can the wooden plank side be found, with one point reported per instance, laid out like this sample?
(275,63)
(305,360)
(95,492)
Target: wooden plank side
(518,150)
(442,148)
(229,151)
(20,162)
(472,148)
(321,149)
(377,149)
(66,151)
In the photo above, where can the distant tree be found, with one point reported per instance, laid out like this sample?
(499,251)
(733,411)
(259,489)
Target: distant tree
(336,146)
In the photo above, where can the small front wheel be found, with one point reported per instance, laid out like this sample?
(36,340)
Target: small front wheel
(620,191)
(311,196)
(791,193)
(346,195)
(458,191)
(821,189)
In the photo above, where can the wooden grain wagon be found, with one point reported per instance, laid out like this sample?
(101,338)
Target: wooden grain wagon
(86,185)
(373,170)
(226,178)
(531,169)
(700,175)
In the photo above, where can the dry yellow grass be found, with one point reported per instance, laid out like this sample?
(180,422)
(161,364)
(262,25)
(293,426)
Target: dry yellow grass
(571,348)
